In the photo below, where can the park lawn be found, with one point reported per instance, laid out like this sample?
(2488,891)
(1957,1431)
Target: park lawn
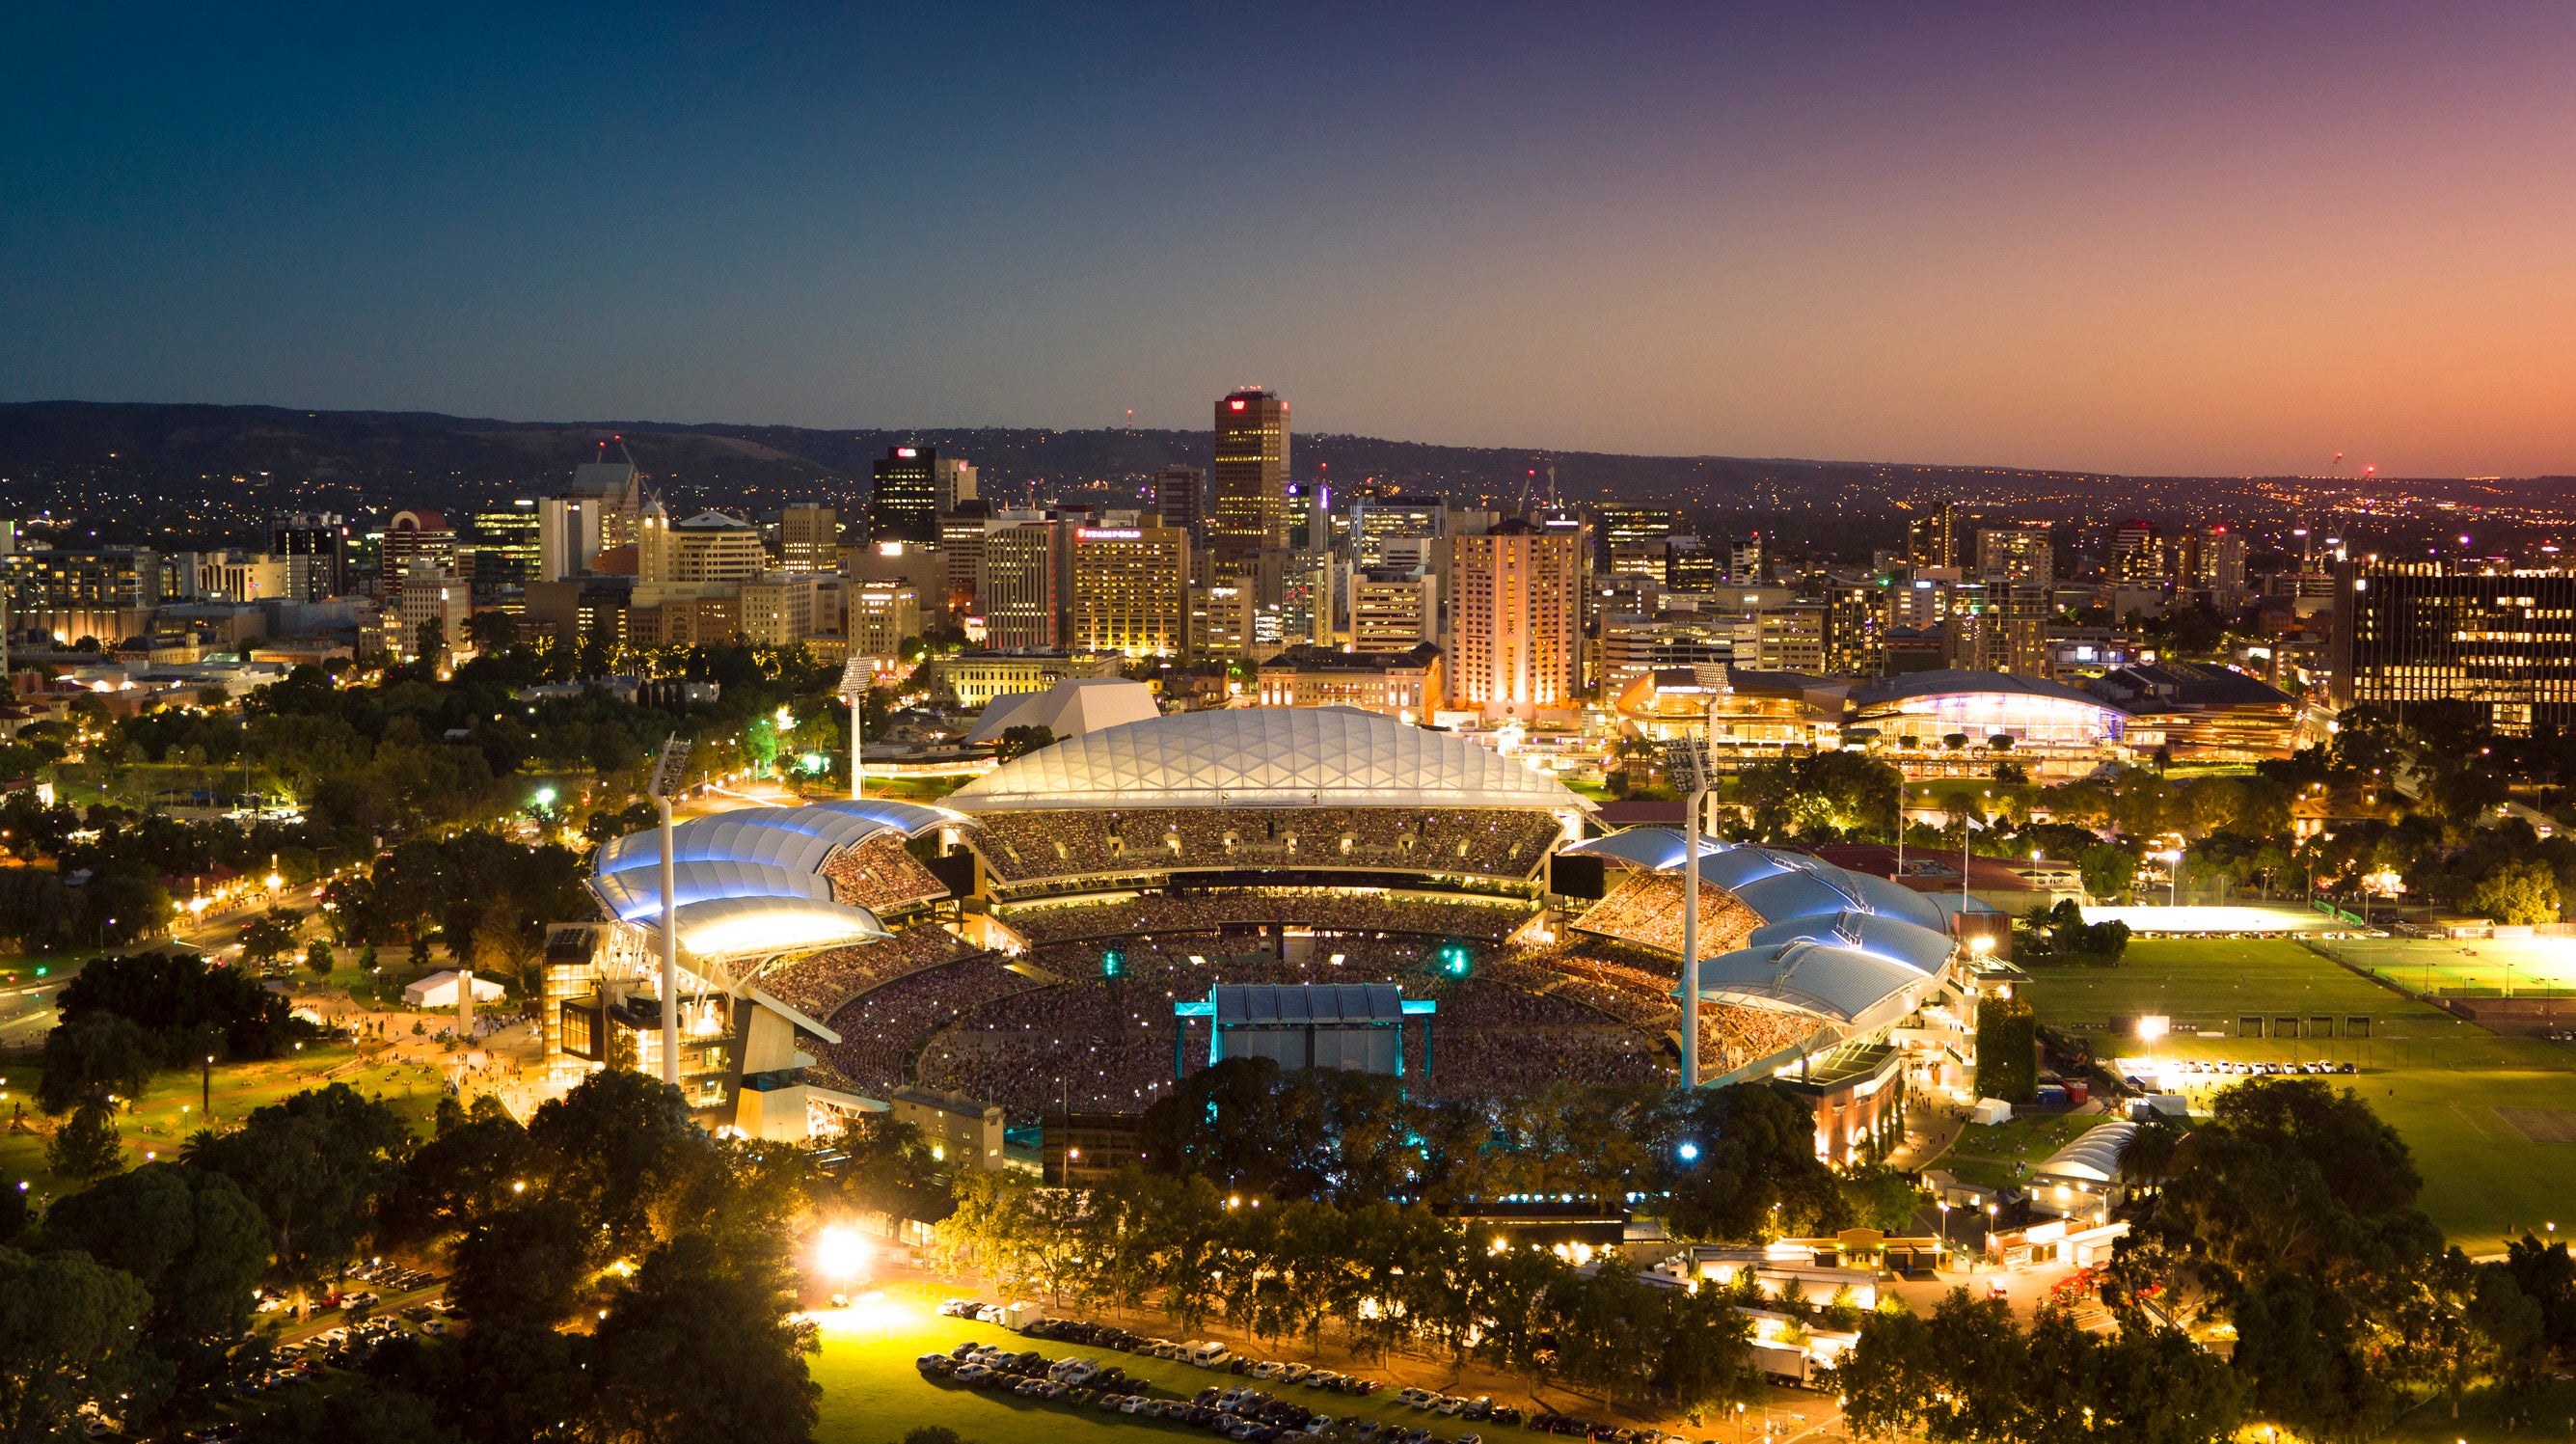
(168,1111)
(2553,1416)
(2437,1079)
(1989,1156)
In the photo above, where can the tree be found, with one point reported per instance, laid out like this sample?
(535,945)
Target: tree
(86,1147)
(430,638)
(381,1413)
(891,1170)
(271,935)
(1756,1174)
(2516,892)
(479,1163)
(190,1237)
(315,1164)
(524,1266)
(619,1147)
(92,1058)
(69,1335)
(2007,1050)
(2107,870)
(491,631)
(1020,741)
(318,960)
(701,1348)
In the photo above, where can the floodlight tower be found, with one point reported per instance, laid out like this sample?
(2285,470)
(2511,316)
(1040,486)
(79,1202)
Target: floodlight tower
(855,676)
(1686,762)
(668,771)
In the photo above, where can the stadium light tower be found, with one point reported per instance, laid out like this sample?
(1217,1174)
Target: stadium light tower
(668,771)
(1686,762)
(855,676)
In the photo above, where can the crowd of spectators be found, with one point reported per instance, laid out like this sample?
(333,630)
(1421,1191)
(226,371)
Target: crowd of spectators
(881,873)
(881,1029)
(1480,842)
(1646,910)
(1322,909)
(817,985)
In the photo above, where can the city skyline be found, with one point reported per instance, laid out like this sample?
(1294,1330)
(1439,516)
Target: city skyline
(1992,238)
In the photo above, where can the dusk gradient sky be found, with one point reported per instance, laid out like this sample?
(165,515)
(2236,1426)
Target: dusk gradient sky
(2218,238)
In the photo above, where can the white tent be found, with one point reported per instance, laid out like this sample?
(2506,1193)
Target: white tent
(1068,709)
(438,990)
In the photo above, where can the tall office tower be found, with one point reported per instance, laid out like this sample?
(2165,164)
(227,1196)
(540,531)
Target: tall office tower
(904,506)
(569,535)
(1127,589)
(714,547)
(1180,496)
(1516,621)
(2016,554)
(1689,566)
(2412,632)
(617,489)
(809,538)
(1020,589)
(509,547)
(954,479)
(323,540)
(2213,561)
(1393,610)
(1310,598)
(1248,491)
(411,538)
(1378,520)
(1939,538)
(1855,628)
(961,549)
(1744,560)
(2138,551)
(882,614)
(1620,526)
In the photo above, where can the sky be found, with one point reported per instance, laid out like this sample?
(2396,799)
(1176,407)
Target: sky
(2138,238)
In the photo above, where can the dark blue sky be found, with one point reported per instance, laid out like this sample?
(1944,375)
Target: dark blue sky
(2177,238)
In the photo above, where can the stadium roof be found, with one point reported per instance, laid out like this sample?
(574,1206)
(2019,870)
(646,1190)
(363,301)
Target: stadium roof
(1952,682)
(1070,708)
(748,883)
(2096,1155)
(1262,757)
(1858,990)
(1777,886)
(1658,849)
(1919,948)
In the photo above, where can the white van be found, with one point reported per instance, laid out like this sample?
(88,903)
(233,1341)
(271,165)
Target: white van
(1210,1355)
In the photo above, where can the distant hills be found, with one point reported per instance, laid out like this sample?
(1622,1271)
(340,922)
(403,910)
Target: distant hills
(79,454)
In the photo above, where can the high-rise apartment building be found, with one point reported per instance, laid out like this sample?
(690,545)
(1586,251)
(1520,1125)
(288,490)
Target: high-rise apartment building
(1181,498)
(777,609)
(882,615)
(1221,622)
(1019,591)
(1939,537)
(1516,618)
(961,547)
(904,505)
(2411,632)
(809,538)
(2213,561)
(1248,490)
(323,540)
(2016,554)
(1997,627)
(1392,611)
(1744,560)
(708,547)
(412,538)
(2138,551)
(509,547)
(1127,588)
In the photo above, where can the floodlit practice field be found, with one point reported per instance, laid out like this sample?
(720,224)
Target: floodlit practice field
(2473,967)
(2439,1080)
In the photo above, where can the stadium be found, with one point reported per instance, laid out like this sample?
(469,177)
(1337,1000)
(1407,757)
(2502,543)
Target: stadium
(1072,931)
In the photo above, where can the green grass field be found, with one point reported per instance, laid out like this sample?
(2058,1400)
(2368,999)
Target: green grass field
(2482,967)
(2437,1079)
(170,1108)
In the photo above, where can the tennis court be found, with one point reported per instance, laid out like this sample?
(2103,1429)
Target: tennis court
(2469,968)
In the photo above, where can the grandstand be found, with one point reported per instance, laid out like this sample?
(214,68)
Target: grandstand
(1841,984)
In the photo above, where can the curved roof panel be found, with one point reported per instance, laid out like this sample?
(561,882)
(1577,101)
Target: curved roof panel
(1262,757)
(635,893)
(1799,893)
(1916,947)
(1659,849)
(1954,682)
(1845,986)
(913,818)
(1896,900)
(2096,1155)
(752,927)
(798,838)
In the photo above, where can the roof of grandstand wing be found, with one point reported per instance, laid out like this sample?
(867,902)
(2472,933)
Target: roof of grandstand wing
(1775,885)
(1263,757)
(1858,990)
(1918,947)
(799,839)
(725,928)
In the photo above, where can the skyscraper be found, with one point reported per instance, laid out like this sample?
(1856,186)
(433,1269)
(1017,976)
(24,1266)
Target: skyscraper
(809,538)
(1020,589)
(416,539)
(2016,554)
(507,547)
(1516,632)
(905,504)
(1249,489)
(2409,632)
(1180,495)
(1940,537)
(1127,588)
(323,538)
